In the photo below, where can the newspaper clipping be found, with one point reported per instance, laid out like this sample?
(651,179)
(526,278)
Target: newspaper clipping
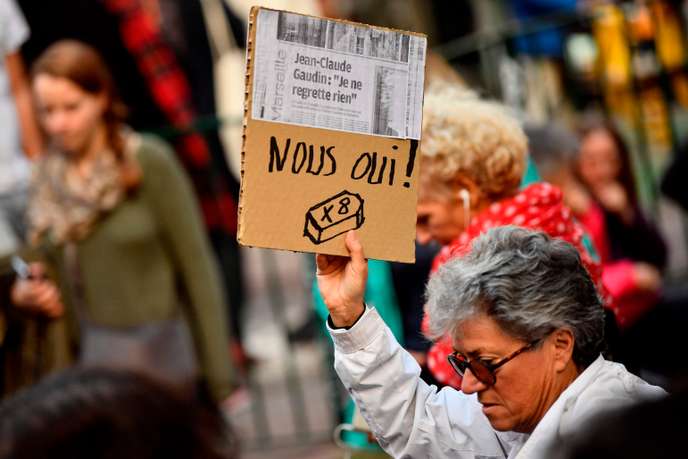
(328,74)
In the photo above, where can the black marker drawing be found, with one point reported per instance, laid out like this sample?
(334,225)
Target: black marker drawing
(334,216)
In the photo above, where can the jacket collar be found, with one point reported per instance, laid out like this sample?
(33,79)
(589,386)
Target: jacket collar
(548,431)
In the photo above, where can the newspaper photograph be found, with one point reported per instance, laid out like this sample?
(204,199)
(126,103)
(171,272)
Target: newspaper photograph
(327,74)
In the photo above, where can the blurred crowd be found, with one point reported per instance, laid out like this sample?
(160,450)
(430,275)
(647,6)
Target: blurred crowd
(121,282)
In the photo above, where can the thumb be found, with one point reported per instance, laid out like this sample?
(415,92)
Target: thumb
(355,248)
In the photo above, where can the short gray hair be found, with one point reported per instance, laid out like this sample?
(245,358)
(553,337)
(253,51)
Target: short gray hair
(552,147)
(528,283)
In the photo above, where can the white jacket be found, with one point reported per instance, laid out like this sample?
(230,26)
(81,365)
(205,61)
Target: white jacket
(412,420)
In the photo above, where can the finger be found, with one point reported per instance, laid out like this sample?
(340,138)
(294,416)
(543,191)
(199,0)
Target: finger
(41,301)
(355,248)
(327,264)
(31,291)
(54,309)
(37,270)
(46,295)
(24,293)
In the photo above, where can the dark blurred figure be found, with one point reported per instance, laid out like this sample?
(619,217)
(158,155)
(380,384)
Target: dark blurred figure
(674,180)
(182,27)
(655,429)
(409,285)
(99,413)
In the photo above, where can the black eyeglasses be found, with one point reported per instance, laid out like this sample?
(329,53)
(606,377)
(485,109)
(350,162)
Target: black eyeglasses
(483,371)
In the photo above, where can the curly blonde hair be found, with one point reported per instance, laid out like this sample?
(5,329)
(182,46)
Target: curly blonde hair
(466,136)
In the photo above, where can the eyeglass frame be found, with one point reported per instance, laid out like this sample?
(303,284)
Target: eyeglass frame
(456,364)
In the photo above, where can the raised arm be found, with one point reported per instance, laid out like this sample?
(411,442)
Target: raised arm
(409,418)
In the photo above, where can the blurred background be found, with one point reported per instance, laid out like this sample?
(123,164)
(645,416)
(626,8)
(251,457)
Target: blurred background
(550,61)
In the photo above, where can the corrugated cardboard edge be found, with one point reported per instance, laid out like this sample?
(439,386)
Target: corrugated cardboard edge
(248,96)
(345,21)
(250,40)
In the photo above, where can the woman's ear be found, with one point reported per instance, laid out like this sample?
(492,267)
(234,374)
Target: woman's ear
(471,190)
(563,343)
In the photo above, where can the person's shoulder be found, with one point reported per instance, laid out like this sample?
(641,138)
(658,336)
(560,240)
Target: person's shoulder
(628,383)
(614,385)
(541,191)
(152,145)
(158,162)
(153,152)
(608,387)
(14,29)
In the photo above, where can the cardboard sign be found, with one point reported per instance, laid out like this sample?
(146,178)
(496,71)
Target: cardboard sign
(332,124)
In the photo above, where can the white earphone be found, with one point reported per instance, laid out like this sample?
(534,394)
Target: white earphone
(465,196)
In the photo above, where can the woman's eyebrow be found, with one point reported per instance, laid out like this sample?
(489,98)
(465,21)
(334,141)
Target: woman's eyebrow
(475,353)
(472,353)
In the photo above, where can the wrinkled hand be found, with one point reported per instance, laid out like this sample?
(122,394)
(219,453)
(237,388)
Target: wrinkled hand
(342,282)
(38,294)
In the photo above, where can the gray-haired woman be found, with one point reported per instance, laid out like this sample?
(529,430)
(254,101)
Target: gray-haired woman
(527,325)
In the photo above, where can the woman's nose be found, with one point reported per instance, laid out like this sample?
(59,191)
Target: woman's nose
(56,123)
(470,384)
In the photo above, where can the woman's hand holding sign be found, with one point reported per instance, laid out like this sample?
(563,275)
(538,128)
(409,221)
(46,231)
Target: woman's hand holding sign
(342,282)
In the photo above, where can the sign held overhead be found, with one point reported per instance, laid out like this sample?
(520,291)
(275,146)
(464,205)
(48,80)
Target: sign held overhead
(332,123)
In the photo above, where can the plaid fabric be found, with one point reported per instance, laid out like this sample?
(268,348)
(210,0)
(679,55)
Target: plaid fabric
(171,91)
